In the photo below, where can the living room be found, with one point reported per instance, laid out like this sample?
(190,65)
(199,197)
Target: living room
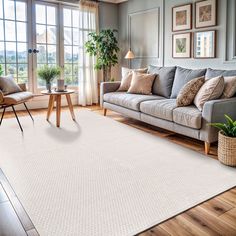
(117,117)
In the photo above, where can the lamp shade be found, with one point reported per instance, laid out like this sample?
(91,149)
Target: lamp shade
(129,55)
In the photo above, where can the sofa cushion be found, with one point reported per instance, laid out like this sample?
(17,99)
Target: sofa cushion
(230,87)
(125,70)
(141,83)
(188,116)
(15,98)
(183,76)
(210,90)
(211,73)
(164,81)
(162,109)
(125,82)
(8,85)
(130,101)
(189,91)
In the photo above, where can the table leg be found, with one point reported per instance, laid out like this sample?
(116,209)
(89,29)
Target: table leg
(68,98)
(50,106)
(58,110)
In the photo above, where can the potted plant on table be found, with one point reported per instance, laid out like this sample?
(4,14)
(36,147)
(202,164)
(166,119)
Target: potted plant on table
(227,141)
(1,70)
(104,46)
(48,74)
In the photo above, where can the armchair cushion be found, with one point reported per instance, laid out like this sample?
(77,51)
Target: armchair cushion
(8,85)
(16,98)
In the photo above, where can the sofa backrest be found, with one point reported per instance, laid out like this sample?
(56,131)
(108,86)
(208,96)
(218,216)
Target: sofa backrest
(164,81)
(183,76)
(211,73)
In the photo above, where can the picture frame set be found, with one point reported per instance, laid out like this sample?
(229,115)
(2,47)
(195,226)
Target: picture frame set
(204,42)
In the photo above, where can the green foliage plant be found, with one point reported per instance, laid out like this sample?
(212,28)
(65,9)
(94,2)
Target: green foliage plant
(104,46)
(49,73)
(228,128)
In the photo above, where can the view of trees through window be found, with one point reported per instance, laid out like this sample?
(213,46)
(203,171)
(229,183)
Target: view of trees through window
(53,32)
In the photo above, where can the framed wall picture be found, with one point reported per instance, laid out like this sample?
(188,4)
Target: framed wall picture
(182,17)
(205,44)
(181,47)
(205,13)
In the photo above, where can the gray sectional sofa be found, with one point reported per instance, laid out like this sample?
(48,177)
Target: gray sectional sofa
(159,109)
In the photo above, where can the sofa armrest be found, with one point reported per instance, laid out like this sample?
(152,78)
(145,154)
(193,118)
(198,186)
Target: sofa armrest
(23,87)
(214,111)
(108,87)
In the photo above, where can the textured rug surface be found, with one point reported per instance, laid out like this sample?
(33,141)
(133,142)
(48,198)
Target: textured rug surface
(98,177)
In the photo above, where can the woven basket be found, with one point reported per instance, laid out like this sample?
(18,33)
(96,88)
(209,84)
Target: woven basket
(227,150)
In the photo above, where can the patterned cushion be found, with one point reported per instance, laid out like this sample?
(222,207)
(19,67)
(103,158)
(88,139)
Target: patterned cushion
(141,83)
(230,87)
(189,91)
(210,90)
(162,109)
(164,81)
(130,101)
(182,77)
(8,85)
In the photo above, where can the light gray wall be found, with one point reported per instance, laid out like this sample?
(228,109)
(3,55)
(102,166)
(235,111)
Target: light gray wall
(124,11)
(108,16)
(225,37)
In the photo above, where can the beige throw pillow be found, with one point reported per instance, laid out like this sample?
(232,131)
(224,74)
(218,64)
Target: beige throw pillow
(8,85)
(189,91)
(127,77)
(125,70)
(125,82)
(230,87)
(142,83)
(210,90)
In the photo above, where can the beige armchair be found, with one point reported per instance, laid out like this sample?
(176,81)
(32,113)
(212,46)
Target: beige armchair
(13,99)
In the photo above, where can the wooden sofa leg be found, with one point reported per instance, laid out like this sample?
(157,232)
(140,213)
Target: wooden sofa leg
(104,111)
(207,148)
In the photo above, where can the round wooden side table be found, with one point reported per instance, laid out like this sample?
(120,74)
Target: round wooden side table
(55,96)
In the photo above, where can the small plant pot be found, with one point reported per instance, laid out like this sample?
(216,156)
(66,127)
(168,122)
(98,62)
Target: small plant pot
(227,150)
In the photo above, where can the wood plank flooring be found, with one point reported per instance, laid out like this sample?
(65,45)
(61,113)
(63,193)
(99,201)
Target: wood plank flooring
(214,217)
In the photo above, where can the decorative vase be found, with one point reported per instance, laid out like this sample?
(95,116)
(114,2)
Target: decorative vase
(227,150)
(60,85)
(49,87)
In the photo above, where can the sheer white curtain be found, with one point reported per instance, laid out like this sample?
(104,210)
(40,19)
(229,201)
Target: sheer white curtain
(88,79)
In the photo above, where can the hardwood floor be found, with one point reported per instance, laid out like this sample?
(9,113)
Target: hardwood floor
(214,217)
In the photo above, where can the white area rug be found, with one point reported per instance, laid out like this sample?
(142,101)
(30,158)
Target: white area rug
(103,178)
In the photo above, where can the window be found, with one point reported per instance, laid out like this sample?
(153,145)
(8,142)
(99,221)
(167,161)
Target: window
(46,36)
(50,36)
(13,39)
(71,45)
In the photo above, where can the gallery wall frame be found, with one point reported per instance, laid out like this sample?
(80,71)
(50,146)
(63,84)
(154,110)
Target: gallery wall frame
(182,45)
(206,13)
(213,46)
(182,17)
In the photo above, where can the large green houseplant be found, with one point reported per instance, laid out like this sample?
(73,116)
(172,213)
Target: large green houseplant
(227,141)
(48,74)
(104,46)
